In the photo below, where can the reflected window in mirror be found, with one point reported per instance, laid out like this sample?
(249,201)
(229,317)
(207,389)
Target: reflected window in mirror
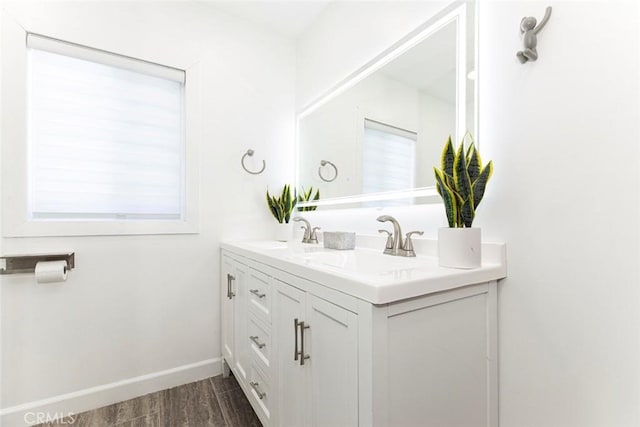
(389,157)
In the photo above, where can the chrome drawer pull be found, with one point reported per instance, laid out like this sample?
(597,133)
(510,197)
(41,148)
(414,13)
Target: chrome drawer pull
(295,339)
(257,293)
(230,293)
(258,343)
(303,356)
(260,394)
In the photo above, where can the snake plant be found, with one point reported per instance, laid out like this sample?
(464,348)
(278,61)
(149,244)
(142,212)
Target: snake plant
(306,196)
(282,206)
(461,182)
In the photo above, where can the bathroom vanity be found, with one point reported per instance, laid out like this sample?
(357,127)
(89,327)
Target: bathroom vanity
(318,337)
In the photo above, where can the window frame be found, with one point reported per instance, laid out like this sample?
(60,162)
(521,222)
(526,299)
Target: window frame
(14,174)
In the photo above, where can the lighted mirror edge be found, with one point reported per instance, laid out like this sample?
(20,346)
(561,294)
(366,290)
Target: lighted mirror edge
(452,12)
(429,192)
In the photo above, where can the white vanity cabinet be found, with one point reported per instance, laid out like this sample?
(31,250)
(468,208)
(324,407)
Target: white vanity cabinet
(315,375)
(309,353)
(235,316)
(246,331)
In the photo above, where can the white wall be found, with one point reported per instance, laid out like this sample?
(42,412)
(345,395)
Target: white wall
(563,133)
(138,305)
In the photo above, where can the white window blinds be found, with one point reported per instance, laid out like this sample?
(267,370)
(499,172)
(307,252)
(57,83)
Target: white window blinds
(389,158)
(105,134)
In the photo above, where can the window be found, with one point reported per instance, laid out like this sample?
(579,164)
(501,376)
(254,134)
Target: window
(106,135)
(389,158)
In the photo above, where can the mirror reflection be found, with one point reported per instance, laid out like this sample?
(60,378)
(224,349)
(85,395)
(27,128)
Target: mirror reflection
(384,133)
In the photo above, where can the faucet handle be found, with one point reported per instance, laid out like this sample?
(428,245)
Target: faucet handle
(314,236)
(389,244)
(408,243)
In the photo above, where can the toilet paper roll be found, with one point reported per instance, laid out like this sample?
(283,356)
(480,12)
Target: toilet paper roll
(51,271)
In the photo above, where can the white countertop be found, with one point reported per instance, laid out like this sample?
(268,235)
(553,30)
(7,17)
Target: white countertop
(366,273)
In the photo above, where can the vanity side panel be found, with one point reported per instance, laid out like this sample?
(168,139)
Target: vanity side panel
(380,358)
(226,310)
(437,368)
(492,353)
(365,363)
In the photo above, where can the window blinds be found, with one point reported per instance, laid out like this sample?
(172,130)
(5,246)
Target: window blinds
(105,135)
(389,158)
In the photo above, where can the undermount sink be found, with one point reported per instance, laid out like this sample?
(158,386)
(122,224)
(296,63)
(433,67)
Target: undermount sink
(358,261)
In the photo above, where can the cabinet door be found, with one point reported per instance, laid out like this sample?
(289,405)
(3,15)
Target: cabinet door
(240,324)
(332,344)
(290,378)
(227,274)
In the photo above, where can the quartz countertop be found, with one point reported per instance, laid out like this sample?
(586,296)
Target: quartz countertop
(366,273)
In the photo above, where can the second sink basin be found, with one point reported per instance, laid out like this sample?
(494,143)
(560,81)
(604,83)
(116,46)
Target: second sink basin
(360,261)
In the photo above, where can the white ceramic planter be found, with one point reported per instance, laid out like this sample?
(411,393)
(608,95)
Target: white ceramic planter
(283,232)
(459,247)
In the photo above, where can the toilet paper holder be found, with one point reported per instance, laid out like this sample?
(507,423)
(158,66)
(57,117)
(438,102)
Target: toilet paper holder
(14,264)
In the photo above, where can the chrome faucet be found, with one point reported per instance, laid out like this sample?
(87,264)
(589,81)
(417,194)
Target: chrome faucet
(310,235)
(395,245)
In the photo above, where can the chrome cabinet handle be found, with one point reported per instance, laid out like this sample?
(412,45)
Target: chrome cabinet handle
(230,293)
(261,394)
(303,356)
(295,335)
(257,342)
(257,293)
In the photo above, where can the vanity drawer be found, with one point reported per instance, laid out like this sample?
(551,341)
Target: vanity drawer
(259,291)
(259,341)
(260,394)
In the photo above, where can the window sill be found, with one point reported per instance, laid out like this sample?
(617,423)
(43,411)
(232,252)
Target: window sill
(97,228)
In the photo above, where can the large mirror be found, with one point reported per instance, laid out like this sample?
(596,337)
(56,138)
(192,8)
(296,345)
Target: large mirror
(374,139)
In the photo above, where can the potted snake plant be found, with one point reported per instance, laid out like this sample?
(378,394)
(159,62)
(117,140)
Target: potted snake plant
(461,182)
(281,208)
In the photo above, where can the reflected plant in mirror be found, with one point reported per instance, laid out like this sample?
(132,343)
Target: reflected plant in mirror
(307,196)
(385,124)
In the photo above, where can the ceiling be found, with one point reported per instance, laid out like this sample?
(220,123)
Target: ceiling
(287,18)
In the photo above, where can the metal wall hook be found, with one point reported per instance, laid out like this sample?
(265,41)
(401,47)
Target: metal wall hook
(324,163)
(250,153)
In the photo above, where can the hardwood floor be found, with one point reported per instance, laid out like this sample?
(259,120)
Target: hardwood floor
(212,402)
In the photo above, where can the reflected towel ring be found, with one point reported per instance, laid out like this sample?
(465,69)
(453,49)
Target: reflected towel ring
(250,153)
(324,163)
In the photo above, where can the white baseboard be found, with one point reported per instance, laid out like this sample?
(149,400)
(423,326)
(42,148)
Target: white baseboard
(106,394)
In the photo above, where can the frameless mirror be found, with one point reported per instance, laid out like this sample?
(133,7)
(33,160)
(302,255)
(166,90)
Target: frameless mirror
(374,139)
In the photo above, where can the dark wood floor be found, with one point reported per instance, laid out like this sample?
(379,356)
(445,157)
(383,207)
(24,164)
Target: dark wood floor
(215,401)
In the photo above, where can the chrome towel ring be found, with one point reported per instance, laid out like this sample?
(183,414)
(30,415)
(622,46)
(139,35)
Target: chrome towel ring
(324,163)
(250,153)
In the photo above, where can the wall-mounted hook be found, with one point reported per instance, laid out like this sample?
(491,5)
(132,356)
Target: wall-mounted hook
(250,153)
(324,163)
(529,32)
